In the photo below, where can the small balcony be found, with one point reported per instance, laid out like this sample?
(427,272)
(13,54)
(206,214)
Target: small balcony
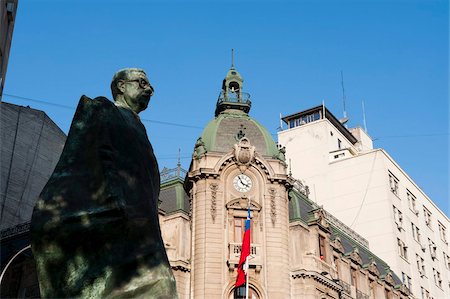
(255,258)
(360,295)
(233,100)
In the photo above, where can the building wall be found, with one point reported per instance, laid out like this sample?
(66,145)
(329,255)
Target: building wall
(353,184)
(8,10)
(30,148)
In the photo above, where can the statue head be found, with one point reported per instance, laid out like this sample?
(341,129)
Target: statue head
(131,89)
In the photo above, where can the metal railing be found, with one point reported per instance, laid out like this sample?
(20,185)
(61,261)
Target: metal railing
(234,97)
(173,173)
(339,224)
(255,253)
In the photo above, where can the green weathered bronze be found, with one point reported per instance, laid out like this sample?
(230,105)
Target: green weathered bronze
(95,228)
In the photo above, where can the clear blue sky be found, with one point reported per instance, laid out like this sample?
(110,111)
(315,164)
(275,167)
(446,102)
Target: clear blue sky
(394,55)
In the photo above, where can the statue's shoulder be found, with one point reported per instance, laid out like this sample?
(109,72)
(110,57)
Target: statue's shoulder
(99,105)
(96,103)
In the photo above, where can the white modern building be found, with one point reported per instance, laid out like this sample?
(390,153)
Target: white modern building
(367,190)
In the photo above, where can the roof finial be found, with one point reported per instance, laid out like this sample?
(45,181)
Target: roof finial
(232,58)
(179,163)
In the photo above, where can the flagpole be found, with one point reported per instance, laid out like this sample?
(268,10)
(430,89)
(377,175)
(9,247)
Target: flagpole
(246,278)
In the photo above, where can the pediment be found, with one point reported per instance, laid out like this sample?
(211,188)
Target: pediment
(374,269)
(354,255)
(388,278)
(242,204)
(337,244)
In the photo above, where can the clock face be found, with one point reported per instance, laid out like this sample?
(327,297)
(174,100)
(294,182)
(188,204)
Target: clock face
(242,183)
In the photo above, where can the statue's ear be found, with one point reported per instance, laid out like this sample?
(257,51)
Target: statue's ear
(121,85)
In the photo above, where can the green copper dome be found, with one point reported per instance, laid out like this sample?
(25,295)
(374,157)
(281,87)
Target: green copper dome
(233,123)
(229,126)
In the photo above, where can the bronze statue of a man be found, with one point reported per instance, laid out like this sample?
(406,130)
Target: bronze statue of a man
(95,229)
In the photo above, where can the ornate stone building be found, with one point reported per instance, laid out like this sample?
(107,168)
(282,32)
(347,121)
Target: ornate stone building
(298,250)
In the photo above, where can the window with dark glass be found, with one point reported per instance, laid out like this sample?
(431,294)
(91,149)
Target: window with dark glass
(322,248)
(239,293)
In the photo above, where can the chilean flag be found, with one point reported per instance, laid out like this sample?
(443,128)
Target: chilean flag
(245,252)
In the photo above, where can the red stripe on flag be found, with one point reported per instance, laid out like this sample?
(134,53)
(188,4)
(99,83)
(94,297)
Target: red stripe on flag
(245,252)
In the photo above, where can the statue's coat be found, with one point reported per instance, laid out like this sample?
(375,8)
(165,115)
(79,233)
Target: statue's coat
(95,228)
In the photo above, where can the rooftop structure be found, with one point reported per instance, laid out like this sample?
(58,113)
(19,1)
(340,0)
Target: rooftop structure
(368,191)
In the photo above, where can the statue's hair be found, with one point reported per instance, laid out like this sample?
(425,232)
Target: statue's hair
(122,74)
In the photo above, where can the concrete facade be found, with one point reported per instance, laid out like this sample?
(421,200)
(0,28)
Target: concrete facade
(31,144)
(369,191)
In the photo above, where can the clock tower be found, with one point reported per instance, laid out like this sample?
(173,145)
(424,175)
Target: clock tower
(236,165)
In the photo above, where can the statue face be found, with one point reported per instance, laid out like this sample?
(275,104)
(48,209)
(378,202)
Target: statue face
(136,91)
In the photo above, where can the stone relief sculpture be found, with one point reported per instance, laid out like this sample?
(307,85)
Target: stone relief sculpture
(95,229)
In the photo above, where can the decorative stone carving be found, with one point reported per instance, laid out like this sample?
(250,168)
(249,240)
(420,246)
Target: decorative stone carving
(337,244)
(244,152)
(214,187)
(374,269)
(199,148)
(317,216)
(388,278)
(273,207)
(354,255)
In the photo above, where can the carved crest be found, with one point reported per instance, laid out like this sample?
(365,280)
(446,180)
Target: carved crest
(373,268)
(244,152)
(389,279)
(355,256)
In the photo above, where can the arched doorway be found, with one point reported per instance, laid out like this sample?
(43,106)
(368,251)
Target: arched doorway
(19,278)
(239,293)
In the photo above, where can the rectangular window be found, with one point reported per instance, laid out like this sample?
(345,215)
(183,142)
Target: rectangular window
(446,260)
(420,265)
(442,232)
(322,251)
(291,123)
(398,217)
(411,202)
(393,183)
(439,279)
(354,277)
(415,232)
(427,216)
(406,280)
(339,143)
(402,249)
(433,249)
(425,294)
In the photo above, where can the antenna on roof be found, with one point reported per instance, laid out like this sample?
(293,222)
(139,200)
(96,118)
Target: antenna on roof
(364,117)
(179,158)
(232,58)
(345,119)
(281,123)
(343,93)
(323,109)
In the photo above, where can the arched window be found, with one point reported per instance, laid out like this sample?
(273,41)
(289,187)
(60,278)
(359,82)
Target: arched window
(234,86)
(239,293)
